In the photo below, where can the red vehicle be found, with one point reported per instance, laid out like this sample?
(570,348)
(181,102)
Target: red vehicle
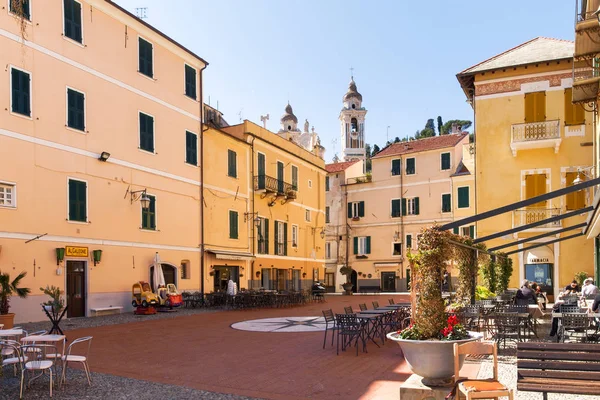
(169,296)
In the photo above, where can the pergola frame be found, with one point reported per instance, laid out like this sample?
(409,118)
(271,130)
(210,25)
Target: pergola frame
(543,235)
(545,243)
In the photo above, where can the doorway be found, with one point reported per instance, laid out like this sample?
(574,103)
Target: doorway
(542,274)
(281,279)
(75,289)
(354,279)
(169,272)
(329,282)
(388,281)
(222,275)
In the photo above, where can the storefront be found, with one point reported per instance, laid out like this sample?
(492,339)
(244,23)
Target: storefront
(226,265)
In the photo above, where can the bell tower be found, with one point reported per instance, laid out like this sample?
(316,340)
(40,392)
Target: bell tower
(352,121)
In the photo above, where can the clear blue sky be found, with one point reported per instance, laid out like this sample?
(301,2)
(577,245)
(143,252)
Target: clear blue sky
(405,54)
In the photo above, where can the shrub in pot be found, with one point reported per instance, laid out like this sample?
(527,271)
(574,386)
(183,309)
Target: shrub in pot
(347,271)
(56,303)
(8,289)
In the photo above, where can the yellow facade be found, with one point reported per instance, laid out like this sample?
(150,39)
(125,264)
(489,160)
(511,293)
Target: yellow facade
(531,141)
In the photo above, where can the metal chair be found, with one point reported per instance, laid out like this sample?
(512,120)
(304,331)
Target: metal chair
(363,307)
(38,362)
(507,327)
(375,304)
(350,329)
(471,318)
(391,301)
(80,358)
(574,324)
(15,357)
(329,319)
(348,310)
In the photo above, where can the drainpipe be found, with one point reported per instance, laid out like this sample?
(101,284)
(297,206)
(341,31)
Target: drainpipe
(402,236)
(254,229)
(202,185)
(348,278)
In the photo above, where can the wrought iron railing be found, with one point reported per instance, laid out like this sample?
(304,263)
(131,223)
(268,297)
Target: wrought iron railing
(528,216)
(274,185)
(536,131)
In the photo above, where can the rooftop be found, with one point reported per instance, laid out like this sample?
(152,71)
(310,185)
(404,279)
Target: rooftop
(339,166)
(417,146)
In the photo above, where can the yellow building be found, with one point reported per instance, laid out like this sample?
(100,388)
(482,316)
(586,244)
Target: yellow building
(98,119)
(531,140)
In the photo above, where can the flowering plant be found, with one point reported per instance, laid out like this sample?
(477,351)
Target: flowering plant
(453,330)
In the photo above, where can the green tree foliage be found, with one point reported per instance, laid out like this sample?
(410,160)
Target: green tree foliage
(504,271)
(440,124)
(375,150)
(489,273)
(368,157)
(462,124)
(397,140)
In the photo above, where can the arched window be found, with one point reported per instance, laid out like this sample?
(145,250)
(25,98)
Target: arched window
(353,125)
(353,106)
(289,127)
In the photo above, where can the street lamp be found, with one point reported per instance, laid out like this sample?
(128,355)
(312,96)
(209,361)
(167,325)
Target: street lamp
(142,197)
(322,233)
(145,201)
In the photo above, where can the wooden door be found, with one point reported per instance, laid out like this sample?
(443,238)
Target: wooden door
(75,289)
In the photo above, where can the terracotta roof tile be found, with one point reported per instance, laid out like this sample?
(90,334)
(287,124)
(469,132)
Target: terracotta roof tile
(339,166)
(416,146)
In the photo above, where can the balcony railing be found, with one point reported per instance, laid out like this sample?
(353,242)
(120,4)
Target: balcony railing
(527,216)
(587,30)
(359,179)
(273,185)
(535,135)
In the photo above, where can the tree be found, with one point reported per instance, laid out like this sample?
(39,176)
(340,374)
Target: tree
(440,124)
(430,125)
(397,140)
(368,157)
(462,125)
(375,150)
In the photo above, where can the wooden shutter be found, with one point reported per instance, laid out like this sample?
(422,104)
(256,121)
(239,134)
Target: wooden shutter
(145,57)
(368,245)
(403,206)
(529,107)
(72,200)
(463,197)
(77,201)
(396,167)
(410,166)
(416,206)
(294,177)
(75,110)
(231,163)
(76,21)
(361,209)
(455,231)
(20,92)
(535,107)
(233,225)
(445,161)
(327,214)
(72,18)
(355,245)
(152,212)
(569,106)
(326,183)
(285,238)
(349,210)
(275,237)
(395,208)
(409,241)
(535,185)
(446,203)
(574,200)
(472,231)
(191,148)
(266,237)
(190,82)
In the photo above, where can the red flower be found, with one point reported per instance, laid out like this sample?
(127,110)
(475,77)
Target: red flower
(446,331)
(452,320)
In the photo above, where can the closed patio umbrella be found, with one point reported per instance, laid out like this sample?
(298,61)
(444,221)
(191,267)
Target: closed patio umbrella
(159,277)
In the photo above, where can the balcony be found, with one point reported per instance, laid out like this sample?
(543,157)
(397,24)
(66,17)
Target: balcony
(530,215)
(585,85)
(535,135)
(266,185)
(587,30)
(359,179)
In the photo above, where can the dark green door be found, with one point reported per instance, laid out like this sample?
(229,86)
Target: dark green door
(279,177)
(261,171)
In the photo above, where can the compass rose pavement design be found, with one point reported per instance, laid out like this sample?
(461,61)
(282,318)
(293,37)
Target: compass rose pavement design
(282,324)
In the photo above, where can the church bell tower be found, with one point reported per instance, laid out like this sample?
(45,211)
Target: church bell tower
(352,121)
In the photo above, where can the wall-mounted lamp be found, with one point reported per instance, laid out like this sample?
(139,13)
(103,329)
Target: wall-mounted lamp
(60,255)
(580,172)
(254,216)
(97,255)
(322,234)
(396,236)
(105,155)
(142,197)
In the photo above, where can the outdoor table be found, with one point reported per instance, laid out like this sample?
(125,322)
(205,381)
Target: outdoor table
(8,333)
(47,339)
(55,318)
(370,324)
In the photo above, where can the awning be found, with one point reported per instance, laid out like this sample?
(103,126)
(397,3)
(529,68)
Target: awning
(539,255)
(593,222)
(231,255)
(386,264)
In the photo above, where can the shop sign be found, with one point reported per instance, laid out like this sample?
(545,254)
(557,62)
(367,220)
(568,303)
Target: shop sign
(538,260)
(75,251)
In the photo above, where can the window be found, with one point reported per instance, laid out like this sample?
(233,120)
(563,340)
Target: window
(190,82)
(72,19)
(535,107)
(463,197)
(362,245)
(294,235)
(445,161)
(397,249)
(263,236)
(8,195)
(410,206)
(25,12)
(231,163)
(396,208)
(396,167)
(327,219)
(468,231)
(146,132)
(149,214)
(535,185)
(446,202)
(20,84)
(233,224)
(574,113)
(146,57)
(191,148)
(327,184)
(185,269)
(356,209)
(294,177)
(75,110)
(409,241)
(280,238)
(307,215)
(328,250)
(575,200)
(410,166)
(77,201)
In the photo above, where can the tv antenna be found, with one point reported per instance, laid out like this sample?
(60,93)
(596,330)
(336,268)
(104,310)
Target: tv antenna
(240,114)
(264,119)
(140,12)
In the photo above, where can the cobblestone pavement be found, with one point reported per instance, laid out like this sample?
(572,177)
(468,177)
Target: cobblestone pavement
(105,387)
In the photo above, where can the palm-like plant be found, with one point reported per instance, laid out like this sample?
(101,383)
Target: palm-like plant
(8,289)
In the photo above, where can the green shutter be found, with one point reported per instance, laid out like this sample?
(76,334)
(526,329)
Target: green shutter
(294,177)
(285,237)
(416,206)
(72,200)
(446,203)
(396,167)
(152,209)
(275,237)
(349,210)
(403,206)
(361,209)
(463,197)
(20,92)
(327,214)
(455,231)
(191,148)
(395,208)
(146,132)
(266,238)
(72,19)
(368,245)
(410,166)
(355,245)
(409,241)
(77,201)
(445,161)
(145,57)
(75,110)
(233,224)
(231,163)
(190,82)
(472,231)
(327,184)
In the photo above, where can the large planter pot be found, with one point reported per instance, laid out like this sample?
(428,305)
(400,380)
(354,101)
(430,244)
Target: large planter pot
(7,320)
(432,359)
(348,288)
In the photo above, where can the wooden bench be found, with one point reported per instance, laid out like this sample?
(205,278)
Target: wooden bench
(106,310)
(572,368)
(370,289)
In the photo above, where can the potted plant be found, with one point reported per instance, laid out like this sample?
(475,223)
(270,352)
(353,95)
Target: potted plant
(56,303)
(428,343)
(347,271)
(10,288)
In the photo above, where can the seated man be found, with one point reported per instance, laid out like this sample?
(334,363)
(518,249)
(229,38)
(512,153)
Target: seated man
(589,289)
(572,288)
(525,295)
(596,305)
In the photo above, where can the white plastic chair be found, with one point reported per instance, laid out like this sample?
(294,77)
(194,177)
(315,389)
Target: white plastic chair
(38,362)
(81,358)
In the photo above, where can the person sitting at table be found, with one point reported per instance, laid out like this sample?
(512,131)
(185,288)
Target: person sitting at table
(596,305)
(572,288)
(525,295)
(589,289)
(541,298)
